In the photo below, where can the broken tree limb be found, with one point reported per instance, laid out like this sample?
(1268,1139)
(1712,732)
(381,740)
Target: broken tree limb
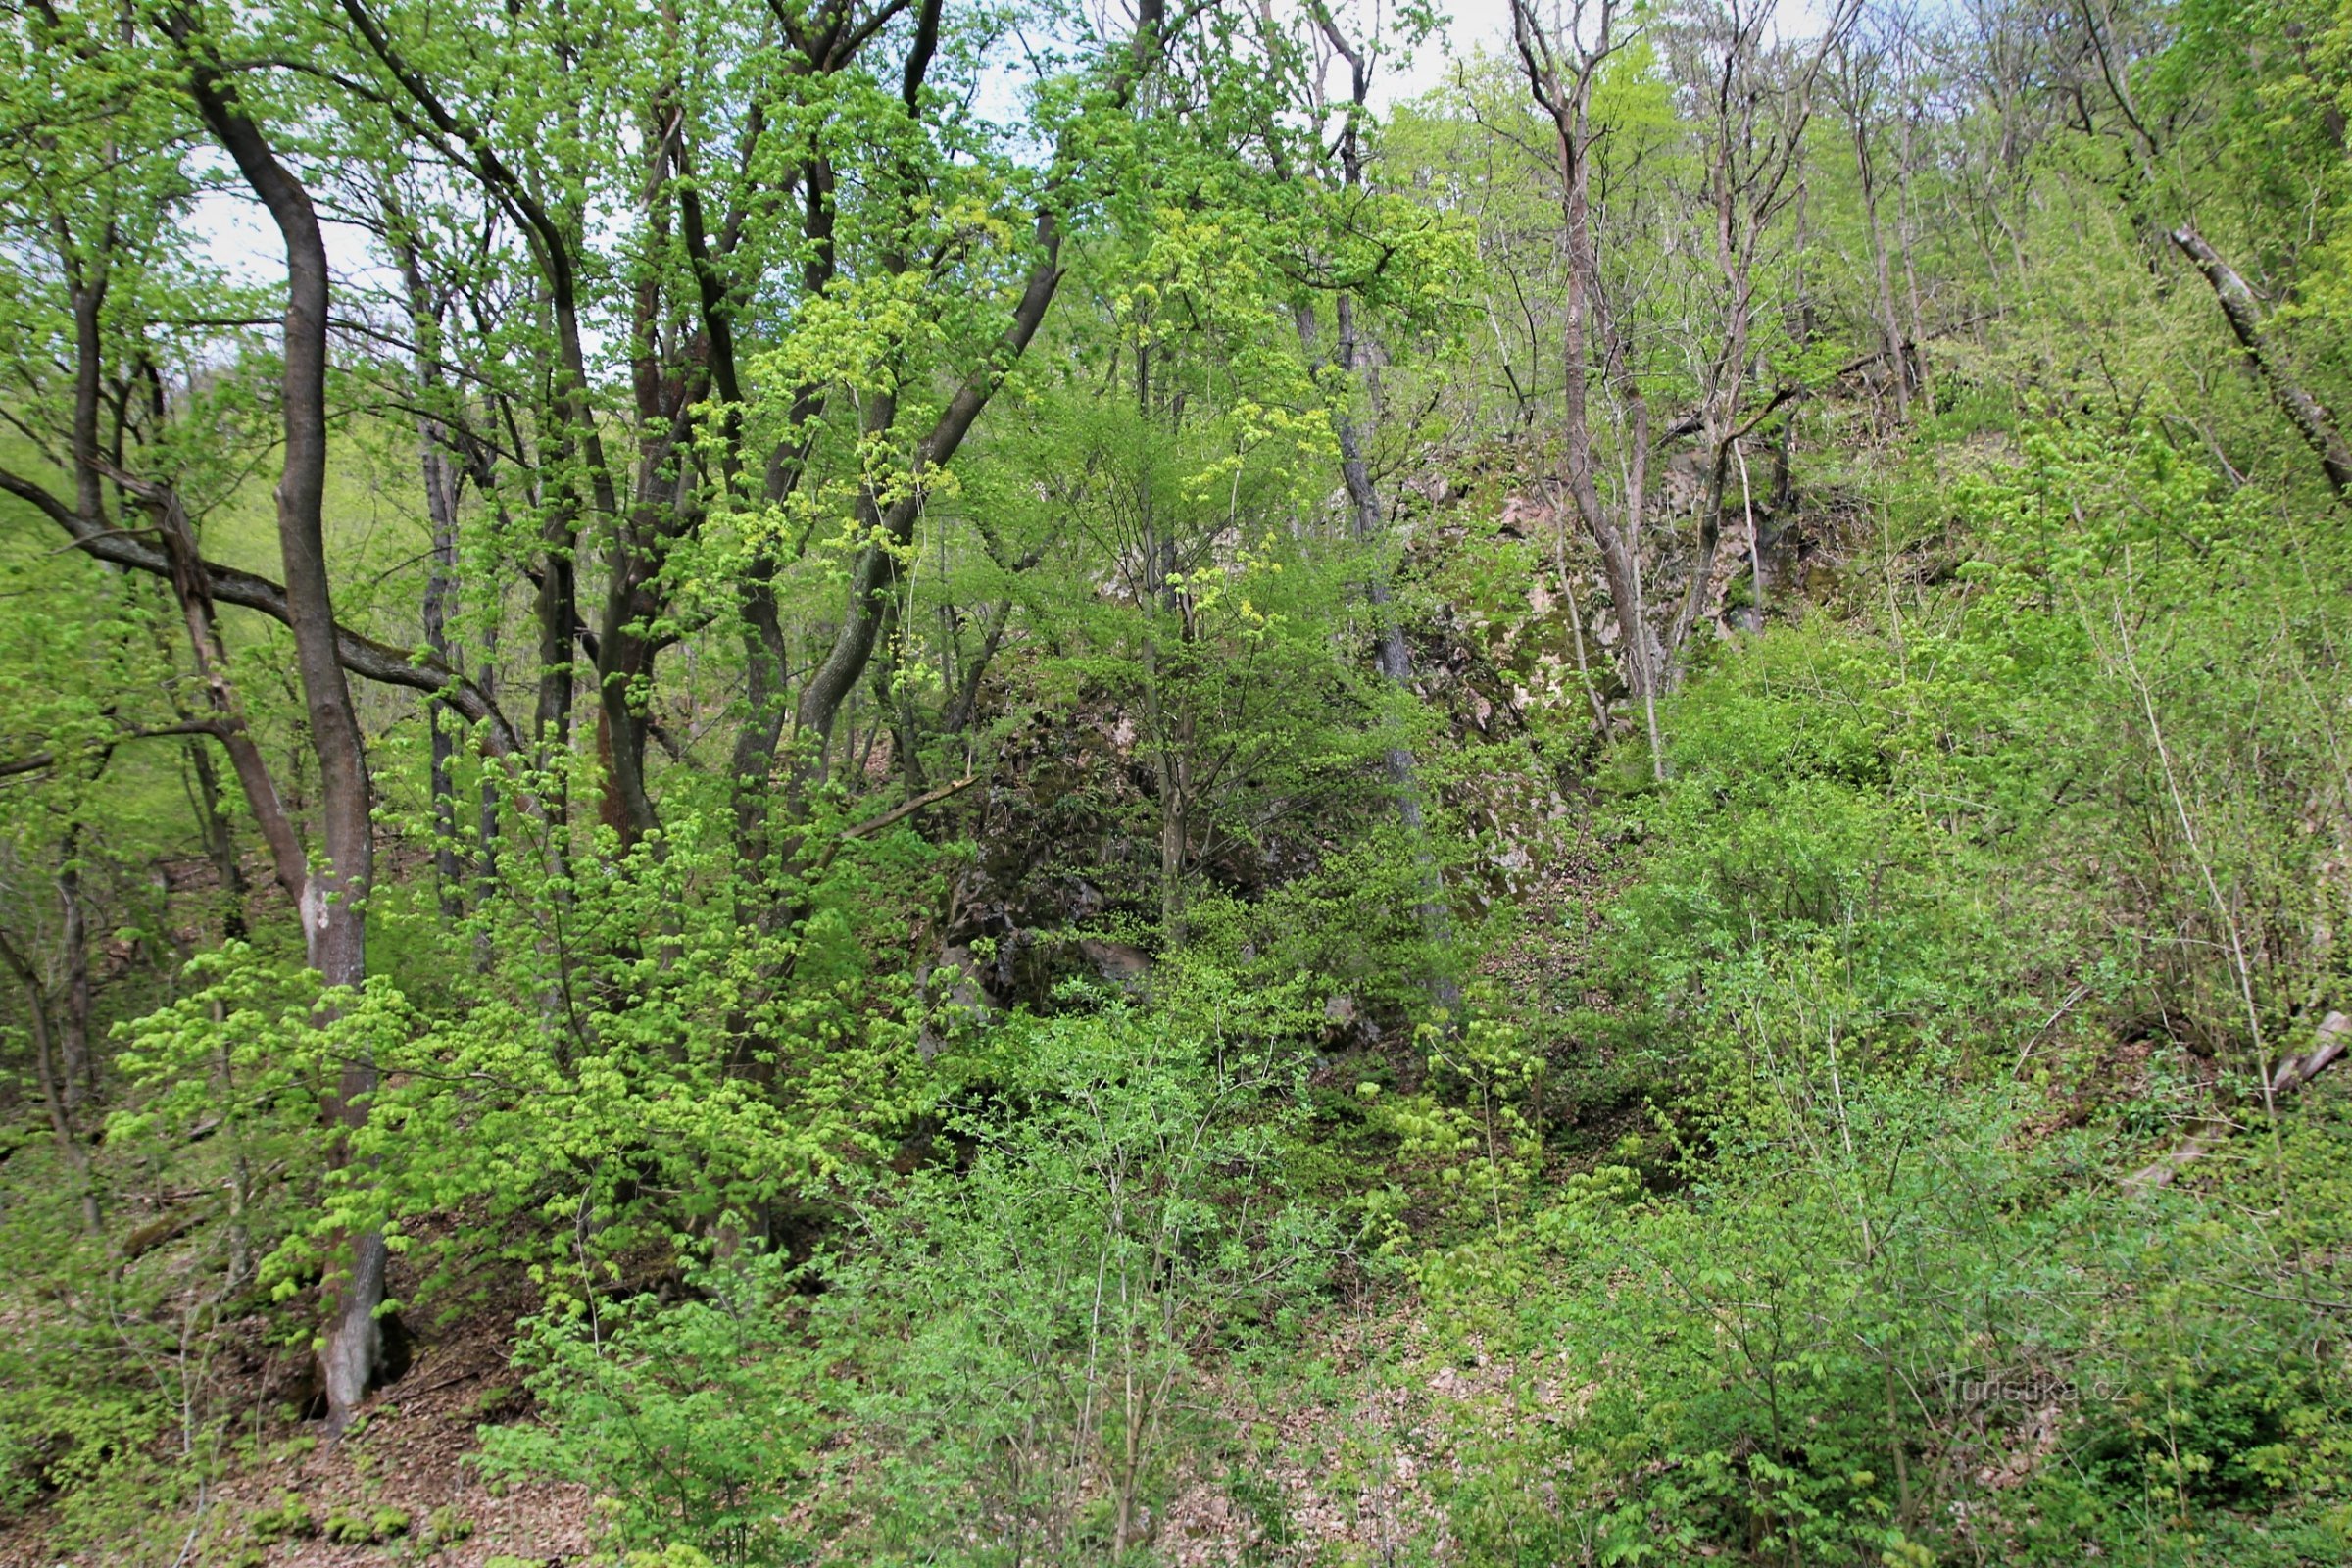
(2195,1146)
(2333,1036)
(899,814)
(2306,413)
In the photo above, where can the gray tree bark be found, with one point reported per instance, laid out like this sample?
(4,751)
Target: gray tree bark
(335,886)
(2310,416)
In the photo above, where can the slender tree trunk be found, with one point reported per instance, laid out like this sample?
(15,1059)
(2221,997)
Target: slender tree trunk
(766,666)
(1565,95)
(1890,332)
(1754,619)
(333,911)
(70,1148)
(77,1070)
(873,586)
(634,598)
(767,659)
(2310,416)
(289,861)
(442,476)
(894,704)
(1391,654)
(1176,835)
(1906,233)
(554,611)
(1167,708)
(439,589)
(1617,548)
(625,673)
(874,574)
(965,704)
(220,842)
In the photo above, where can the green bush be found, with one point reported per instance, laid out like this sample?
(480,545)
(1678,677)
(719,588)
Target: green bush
(1007,1339)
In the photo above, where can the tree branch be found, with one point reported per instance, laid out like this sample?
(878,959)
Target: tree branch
(362,655)
(2306,413)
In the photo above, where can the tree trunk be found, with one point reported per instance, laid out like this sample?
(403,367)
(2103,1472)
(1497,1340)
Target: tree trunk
(1906,233)
(1392,654)
(220,842)
(77,1070)
(1566,97)
(555,609)
(1890,332)
(333,911)
(625,673)
(874,574)
(2306,413)
(442,476)
(69,1146)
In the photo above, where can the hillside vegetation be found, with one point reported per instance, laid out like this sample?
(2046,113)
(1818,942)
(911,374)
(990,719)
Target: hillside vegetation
(904,781)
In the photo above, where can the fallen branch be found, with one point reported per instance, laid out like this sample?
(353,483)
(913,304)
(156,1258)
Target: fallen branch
(154,1233)
(2195,1146)
(2336,1034)
(2333,1038)
(899,814)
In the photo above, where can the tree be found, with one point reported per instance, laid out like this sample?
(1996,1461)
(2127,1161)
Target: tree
(334,889)
(1562,59)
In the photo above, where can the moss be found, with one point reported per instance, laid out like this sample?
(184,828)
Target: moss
(348,1528)
(289,1521)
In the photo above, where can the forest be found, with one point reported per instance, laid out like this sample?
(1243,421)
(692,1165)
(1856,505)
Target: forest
(1130,782)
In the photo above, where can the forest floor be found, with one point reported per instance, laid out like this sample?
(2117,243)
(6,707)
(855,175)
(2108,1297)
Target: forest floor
(403,1487)
(1339,1468)
(1345,1474)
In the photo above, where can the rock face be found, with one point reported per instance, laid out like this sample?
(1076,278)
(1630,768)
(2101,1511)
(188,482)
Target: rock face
(1117,962)
(952,994)
(1017,968)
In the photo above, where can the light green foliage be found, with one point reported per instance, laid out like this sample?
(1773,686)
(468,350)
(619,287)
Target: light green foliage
(567,1075)
(1037,1318)
(1007,1344)
(1339,940)
(698,1418)
(1876,1304)
(369,1529)
(1222,1021)
(1819,1347)
(289,1522)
